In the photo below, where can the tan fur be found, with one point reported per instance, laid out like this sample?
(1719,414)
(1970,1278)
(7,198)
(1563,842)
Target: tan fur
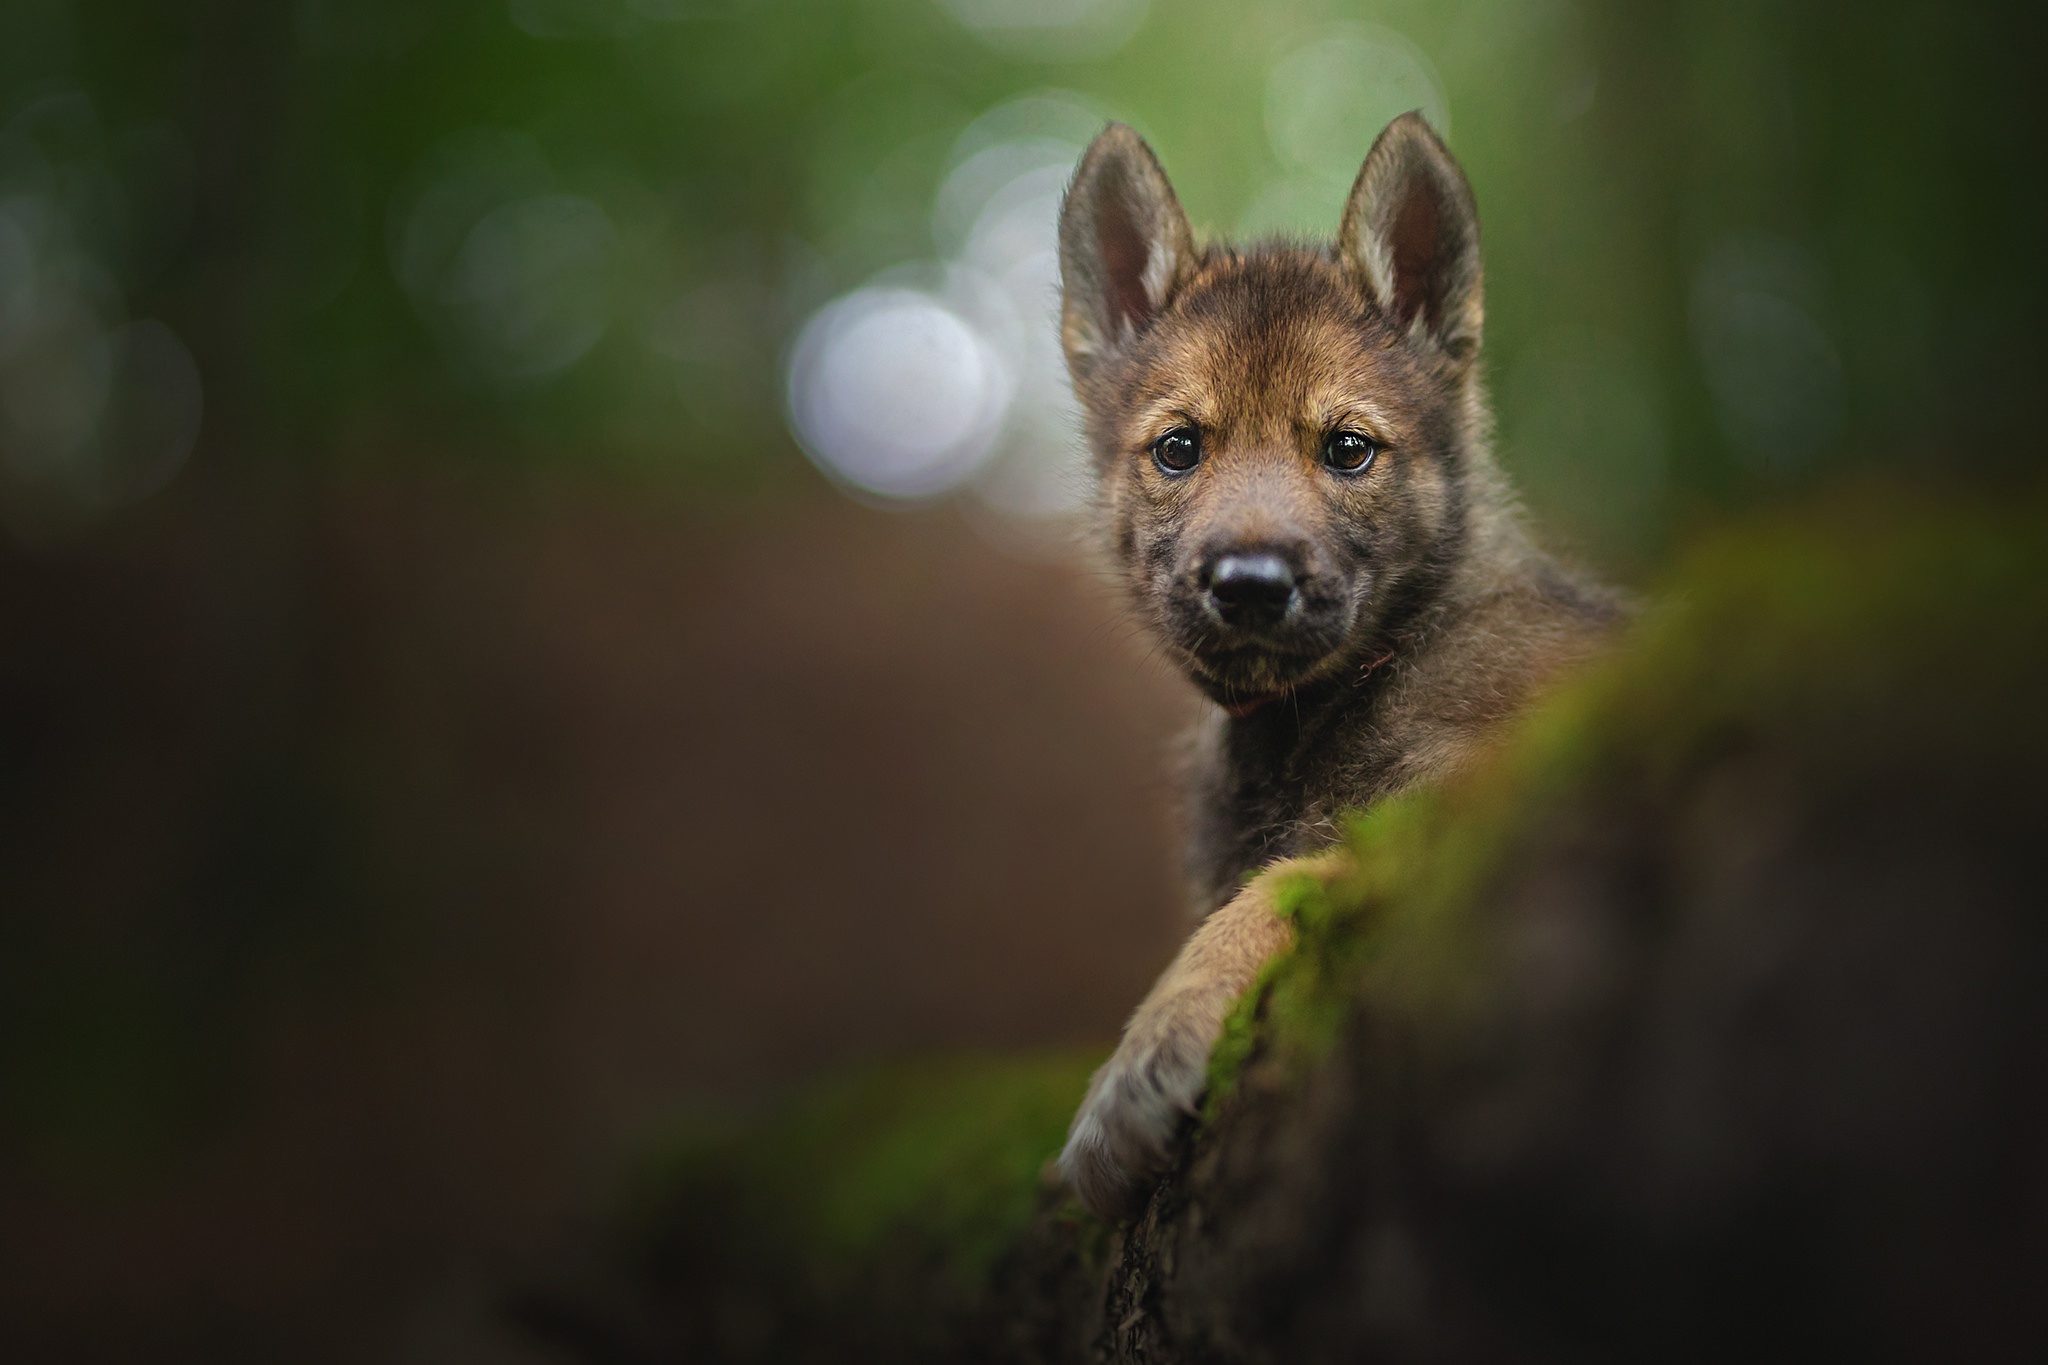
(1418,612)
(1154,1079)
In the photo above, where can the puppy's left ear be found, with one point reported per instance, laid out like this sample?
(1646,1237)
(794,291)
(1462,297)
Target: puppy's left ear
(1125,247)
(1410,235)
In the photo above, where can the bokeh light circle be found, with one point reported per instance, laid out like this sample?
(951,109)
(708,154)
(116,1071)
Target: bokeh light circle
(1776,376)
(1051,30)
(530,289)
(1329,96)
(894,393)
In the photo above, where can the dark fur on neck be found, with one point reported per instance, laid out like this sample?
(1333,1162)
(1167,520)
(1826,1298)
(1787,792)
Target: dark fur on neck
(1459,653)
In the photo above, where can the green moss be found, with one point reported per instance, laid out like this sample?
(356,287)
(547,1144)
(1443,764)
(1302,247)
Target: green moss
(1926,625)
(1817,631)
(938,1158)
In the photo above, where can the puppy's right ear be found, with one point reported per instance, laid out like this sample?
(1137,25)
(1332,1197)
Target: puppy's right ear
(1124,248)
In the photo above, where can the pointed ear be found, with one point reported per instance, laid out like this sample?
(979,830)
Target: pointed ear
(1124,248)
(1410,234)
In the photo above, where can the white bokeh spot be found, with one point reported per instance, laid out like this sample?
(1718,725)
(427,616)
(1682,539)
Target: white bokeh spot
(962,385)
(894,393)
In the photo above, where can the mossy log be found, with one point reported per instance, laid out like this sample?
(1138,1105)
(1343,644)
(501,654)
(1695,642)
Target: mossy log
(1709,1019)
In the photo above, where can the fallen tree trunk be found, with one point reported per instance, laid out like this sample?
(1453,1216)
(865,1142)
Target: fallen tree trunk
(1710,1020)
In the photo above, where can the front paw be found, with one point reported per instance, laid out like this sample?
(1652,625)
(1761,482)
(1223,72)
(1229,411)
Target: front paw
(1122,1138)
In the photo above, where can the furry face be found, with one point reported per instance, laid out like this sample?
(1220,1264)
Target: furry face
(1278,467)
(1277,431)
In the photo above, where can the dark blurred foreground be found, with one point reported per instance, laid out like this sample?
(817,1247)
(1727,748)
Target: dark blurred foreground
(1708,1022)
(379,866)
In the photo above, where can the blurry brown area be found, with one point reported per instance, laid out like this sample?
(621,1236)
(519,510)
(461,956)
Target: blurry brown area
(384,859)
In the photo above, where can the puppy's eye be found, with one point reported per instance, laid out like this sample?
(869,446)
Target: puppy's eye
(1178,450)
(1349,452)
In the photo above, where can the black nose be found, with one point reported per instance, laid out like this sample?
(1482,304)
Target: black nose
(1251,589)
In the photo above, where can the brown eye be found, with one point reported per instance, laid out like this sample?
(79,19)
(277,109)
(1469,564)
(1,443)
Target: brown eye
(1178,450)
(1349,452)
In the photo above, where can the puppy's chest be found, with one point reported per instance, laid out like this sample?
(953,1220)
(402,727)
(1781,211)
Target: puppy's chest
(1263,796)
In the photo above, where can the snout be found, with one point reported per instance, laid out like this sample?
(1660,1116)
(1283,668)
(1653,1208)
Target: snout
(1256,616)
(1250,590)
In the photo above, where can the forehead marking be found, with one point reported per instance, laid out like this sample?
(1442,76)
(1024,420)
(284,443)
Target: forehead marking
(1261,352)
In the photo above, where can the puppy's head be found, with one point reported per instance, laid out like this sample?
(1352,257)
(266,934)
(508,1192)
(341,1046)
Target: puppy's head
(1280,433)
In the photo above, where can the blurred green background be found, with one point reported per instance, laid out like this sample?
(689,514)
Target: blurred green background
(1730,246)
(482,480)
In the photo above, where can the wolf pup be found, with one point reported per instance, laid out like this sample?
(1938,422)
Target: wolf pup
(1292,453)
